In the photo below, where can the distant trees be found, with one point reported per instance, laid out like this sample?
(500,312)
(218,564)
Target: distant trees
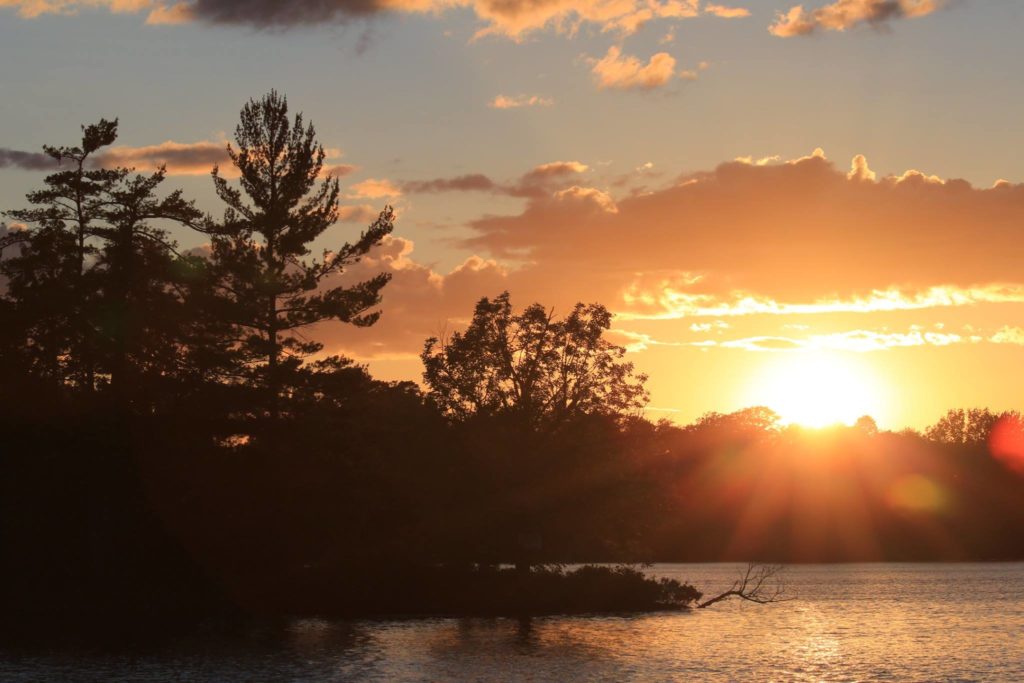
(971,427)
(755,420)
(260,248)
(540,370)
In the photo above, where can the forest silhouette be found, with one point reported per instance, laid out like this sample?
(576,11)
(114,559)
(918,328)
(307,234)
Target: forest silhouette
(175,441)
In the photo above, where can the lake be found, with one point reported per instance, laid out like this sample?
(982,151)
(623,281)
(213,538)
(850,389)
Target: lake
(869,622)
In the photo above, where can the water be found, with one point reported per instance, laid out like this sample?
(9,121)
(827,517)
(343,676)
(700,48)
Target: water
(872,622)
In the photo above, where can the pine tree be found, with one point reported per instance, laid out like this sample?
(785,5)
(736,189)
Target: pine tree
(141,302)
(261,247)
(48,275)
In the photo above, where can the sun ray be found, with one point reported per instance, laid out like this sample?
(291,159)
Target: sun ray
(818,389)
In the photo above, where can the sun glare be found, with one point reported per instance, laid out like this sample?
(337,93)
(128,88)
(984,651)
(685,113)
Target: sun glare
(817,389)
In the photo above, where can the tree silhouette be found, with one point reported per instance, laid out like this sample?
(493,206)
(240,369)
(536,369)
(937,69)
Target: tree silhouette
(759,583)
(531,366)
(141,304)
(960,426)
(530,390)
(259,249)
(48,277)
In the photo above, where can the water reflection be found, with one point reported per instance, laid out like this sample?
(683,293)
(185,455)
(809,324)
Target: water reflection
(856,622)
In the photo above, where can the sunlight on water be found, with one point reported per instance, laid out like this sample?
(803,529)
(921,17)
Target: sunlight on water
(896,622)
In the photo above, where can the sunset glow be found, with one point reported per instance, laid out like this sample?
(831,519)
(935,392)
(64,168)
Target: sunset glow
(817,390)
(609,152)
(512,340)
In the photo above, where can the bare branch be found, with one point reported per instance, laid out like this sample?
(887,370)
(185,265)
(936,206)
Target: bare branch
(760,583)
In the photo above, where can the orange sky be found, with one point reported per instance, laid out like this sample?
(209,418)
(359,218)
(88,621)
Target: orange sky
(661,158)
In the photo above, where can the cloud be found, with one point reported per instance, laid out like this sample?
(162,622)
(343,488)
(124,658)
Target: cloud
(616,71)
(554,169)
(724,12)
(26,161)
(419,302)
(540,181)
(339,170)
(1009,335)
(667,300)
(762,161)
(30,9)
(859,169)
(374,188)
(180,158)
(362,213)
(794,237)
(469,182)
(719,249)
(856,341)
(510,18)
(519,101)
(195,158)
(589,197)
(844,14)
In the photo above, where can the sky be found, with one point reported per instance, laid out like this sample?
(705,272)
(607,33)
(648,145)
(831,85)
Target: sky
(816,207)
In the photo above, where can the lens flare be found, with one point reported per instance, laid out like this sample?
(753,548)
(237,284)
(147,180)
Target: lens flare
(1006,442)
(917,493)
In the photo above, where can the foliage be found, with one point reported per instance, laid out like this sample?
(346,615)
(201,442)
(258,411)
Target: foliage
(261,246)
(959,426)
(542,371)
(135,480)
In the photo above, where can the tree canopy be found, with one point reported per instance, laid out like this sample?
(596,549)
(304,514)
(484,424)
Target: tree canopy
(533,366)
(260,248)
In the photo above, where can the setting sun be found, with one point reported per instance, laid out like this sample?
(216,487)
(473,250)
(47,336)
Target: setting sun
(817,390)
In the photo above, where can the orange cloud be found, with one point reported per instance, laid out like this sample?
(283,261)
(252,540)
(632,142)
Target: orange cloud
(519,101)
(30,9)
(555,168)
(192,158)
(510,18)
(588,196)
(362,213)
(725,12)
(616,71)
(793,236)
(859,169)
(668,298)
(418,302)
(374,188)
(844,14)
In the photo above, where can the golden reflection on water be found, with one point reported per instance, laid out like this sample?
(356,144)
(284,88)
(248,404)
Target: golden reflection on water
(855,622)
(897,622)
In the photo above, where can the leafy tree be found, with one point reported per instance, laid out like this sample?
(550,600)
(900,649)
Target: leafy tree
(260,248)
(530,390)
(540,370)
(867,425)
(758,420)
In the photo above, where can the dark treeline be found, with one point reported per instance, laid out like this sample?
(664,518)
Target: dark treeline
(174,442)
